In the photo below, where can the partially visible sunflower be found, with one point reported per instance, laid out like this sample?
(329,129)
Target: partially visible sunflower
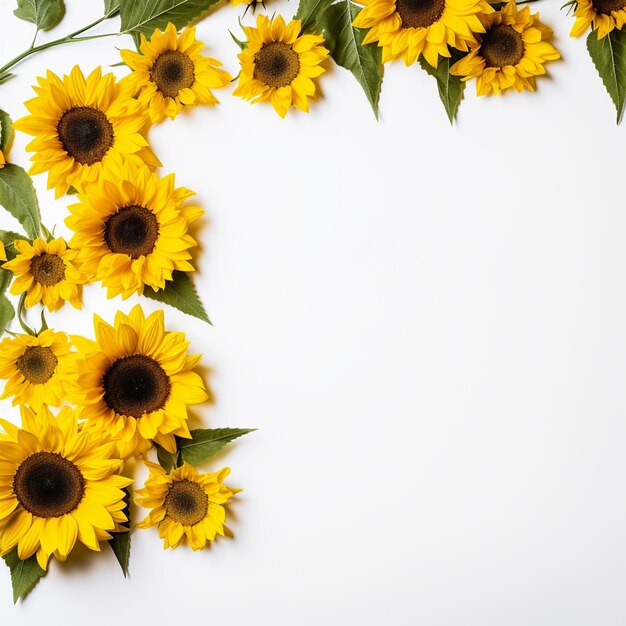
(36,369)
(47,272)
(2,160)
(82,125)
(250,3)
(185,504)
(408,29)
(136,380)
(3,252)
(131,229)
(603,16)
(510,54)
(279,63)
(169,73)
(58,485)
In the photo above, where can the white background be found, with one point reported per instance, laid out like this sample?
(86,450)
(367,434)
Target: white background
(428,326)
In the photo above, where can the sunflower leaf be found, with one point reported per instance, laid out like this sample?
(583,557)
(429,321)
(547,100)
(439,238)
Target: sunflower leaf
(7,237)
(206,442)
(309,12)
(181,294)
(24,574)
(167,460)
(18,197)
(6,130)
(111,7)
(609,56)
(44,14)
(120,542)
(345,43)
(451,88)
(7,312)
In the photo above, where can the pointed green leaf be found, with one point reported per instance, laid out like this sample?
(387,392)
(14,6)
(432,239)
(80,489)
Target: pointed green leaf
(451,88)
(206,442)
(18,197)
(45,14)
(7,312)
(24,574)
(181,294)
(609,56)
(120,542)
(166,459)
(309,12)
(6,130)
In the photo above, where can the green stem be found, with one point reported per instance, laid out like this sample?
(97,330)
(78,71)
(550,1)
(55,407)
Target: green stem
(20,310)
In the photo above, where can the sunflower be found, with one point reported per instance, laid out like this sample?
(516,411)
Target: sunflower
(185,504)
(3,252)
(602,16)
(2,160)
(249,3)
(410,28)
(81,126)
(36,368)
(510,54)
(131,229)
(47,272)
(58,484)
(278,64)
(136,380)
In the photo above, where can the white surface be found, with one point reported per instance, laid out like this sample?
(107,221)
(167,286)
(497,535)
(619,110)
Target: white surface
(428,326)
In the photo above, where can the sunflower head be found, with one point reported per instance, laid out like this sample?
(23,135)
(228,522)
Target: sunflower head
(185,504)
(81,126)
(510,54)
(58,484)
(46,272)
(169,73)
(408,29)
(279,63)
(132,229)
(603,16)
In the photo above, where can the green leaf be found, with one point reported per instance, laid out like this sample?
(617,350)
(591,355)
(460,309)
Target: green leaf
(451,88)
(45,14)
(24,574)
(7,237)
(609,56)
(143,16)
(120,542)
(181,294)
(111,7)
(345,43)
(6,130)
(206,442)
(18,197)
(167,460)
(7,312)
(309,12)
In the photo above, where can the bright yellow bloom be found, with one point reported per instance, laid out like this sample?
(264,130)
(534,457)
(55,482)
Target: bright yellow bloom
(136,380)
(278,64)
(169,73)
(81,126)
(185,504)
(37,369)
(408,29)
(58,484)
(602,16)
(2,160)
(131,230)
(510,54)
(253,3)
(3,252)
(46,272)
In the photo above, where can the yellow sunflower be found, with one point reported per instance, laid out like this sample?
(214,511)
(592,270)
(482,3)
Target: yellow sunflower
(136,380)
(82,125)
(510,54)
(58,484)
(169,73)
(2,160)
(131,229)
(47,272)
(3,252)
(36,368)
(185,504)
(409,28)
(602,16)
(278,64)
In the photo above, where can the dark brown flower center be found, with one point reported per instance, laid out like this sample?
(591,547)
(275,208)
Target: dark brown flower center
(186,502)
(419,13)
(86,134)
(501,45)
(48,485)
(171,72)
(606,7)
(133,230)
(135,385)
(37,364)
(276,64)
(47,269)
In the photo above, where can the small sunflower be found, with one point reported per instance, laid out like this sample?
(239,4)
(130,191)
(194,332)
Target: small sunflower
(131,229)
(136,380)
(185,504)
(510,54)
(602,16)
(408,29)
(81,125)
(58,484)
(36,368)
(169,73)
(47,272)
(278,64)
